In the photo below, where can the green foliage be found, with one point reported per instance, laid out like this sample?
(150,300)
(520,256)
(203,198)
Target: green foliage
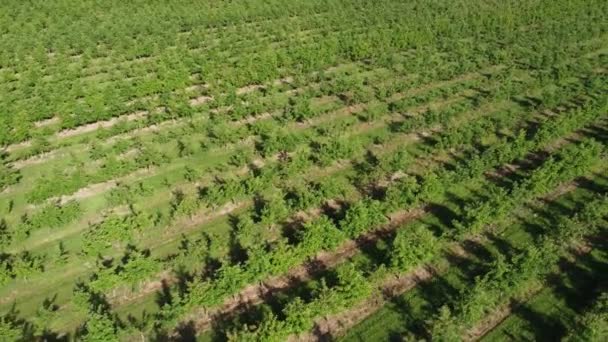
(135,265)
(313,194)
(184,204)
(221,191)
(45,313)
(6,235)
(510,277)
(100,324)
(298,109)
(8,175)
(97,152)
(21,265)
(273,210)
(351,288)
(53,215)
(241,157)
(113,230)
(374,111)
(248,233)
(149,156)
(124,193)
(363,216)
(592,325)
(99,328)
(221,133)
(326,152)
(13,328)
(191,174)
(413,246)
(277,141)
(480,86)
(403,193)
(320,234)
(184,149)
(300,197)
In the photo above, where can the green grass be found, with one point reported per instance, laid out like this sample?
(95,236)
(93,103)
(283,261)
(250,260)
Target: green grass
(551,313)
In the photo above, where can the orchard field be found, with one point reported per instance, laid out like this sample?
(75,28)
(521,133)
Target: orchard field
(312,170)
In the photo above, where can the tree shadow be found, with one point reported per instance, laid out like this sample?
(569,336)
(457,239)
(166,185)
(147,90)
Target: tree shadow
(274,300)
(185,332)
(544,327)
(503,246)
(445,216)
(597,183)
(291,229)
(527,102)
(164,295)
(598,133)
(13,320)
(477,250)
(377,251)
(434,293)
(538,227)
(576,283)
(183,278)
(405,311)
(581,277)
(335,211)
(212,265)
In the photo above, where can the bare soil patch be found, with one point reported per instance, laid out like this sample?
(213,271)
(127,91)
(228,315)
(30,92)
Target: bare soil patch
(200,100)
(100,124)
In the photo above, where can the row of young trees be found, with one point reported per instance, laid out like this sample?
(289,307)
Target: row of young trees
(592,324)
(406,187)
(209,296)
(324,151)
(352,45)
(570,162)
(412,248)
(249,69)
(225,105)
(583,117)
(8,175)
(100,237)
(512,278)
(53,215)
(401,262)
(102,244)
(273,139)
(345,46)
(266,145)
(119,168)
